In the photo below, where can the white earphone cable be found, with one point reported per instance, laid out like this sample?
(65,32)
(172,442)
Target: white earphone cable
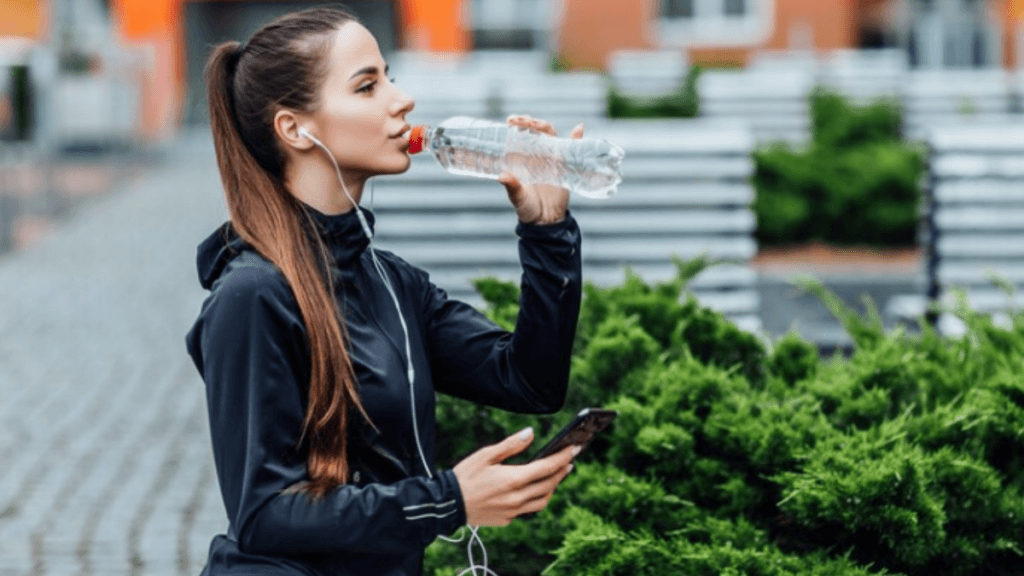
(411,373)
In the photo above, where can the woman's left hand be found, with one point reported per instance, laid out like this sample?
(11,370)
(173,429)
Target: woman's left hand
(537,203)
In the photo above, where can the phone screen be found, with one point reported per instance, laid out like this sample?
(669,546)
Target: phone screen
(584,427)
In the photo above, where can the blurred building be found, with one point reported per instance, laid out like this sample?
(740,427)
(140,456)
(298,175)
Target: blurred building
(935,33)
(161,45)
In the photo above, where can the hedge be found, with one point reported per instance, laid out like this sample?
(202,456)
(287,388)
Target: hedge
(733,455)
(684,102)
(857,182)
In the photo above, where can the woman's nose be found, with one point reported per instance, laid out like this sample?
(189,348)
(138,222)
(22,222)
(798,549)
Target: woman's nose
(403,103)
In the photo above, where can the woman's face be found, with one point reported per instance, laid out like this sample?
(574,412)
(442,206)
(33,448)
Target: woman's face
(361,117)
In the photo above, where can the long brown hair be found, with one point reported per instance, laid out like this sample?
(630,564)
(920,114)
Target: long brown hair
(283,66)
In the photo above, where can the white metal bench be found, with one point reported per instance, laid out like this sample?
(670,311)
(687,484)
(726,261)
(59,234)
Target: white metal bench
(646,73)
(948,97)
(976,215)
(865,75)
(773,102)
(564,98)
(495,84)
(685,192)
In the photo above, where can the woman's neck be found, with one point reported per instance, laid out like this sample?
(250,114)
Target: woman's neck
(316,183)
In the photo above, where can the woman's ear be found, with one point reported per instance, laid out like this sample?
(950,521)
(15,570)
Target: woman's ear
(287,127)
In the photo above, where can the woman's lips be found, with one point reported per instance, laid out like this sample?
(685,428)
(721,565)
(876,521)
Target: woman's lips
(404,134)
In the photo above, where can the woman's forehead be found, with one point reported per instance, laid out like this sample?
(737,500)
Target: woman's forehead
(354,48)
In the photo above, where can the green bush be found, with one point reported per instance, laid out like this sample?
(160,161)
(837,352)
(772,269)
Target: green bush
(735,456)
(684,102)
(856,183)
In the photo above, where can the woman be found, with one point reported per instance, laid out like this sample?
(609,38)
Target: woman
(321,358)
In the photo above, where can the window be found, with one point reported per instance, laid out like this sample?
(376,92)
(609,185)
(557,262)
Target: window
(715,23)
(735,7)
(677,8)
(690,8)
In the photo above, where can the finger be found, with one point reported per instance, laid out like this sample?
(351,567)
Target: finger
(531,123)
(543,126)
(513,186)
(518,120)
(512,445)
(535,505)
(547,484)
(577,132)
(547,466)
(541,492)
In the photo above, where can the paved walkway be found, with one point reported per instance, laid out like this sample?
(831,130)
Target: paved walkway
(105,459)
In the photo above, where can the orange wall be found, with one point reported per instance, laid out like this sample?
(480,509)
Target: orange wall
(834,22)
(591,29)
(434,25)
(24,18)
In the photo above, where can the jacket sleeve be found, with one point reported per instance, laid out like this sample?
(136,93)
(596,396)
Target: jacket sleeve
(254,357)
(526,370)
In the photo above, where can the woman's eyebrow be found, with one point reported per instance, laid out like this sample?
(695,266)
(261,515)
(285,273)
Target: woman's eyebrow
(369,70)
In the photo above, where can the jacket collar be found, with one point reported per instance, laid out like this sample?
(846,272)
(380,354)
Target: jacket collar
(342,233)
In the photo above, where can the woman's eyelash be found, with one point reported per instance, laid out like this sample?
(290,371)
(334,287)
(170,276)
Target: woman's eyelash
(368,87)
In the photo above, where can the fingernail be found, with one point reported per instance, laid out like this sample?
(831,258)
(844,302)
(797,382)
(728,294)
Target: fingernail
(577,449)
(571,466)
(525,433)
(579,126)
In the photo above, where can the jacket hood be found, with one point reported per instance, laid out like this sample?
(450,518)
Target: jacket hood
(342,233)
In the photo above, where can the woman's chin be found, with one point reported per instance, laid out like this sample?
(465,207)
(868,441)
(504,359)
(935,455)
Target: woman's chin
(399,166)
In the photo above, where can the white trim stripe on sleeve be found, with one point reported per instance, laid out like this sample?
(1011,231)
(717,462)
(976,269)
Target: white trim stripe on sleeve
(428,505)
(431,515)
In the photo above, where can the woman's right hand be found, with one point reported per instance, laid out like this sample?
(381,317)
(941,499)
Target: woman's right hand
(495,494)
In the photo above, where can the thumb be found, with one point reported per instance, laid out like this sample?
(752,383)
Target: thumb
(513,186)
(577,132)
(513,445)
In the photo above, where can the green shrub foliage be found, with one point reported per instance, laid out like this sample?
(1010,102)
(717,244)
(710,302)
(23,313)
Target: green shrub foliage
(732,455)
(856,183)
(684,102)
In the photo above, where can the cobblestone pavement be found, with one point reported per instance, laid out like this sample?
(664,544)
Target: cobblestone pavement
(105,459)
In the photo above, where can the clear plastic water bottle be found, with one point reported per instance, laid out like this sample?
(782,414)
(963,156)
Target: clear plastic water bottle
(472,147)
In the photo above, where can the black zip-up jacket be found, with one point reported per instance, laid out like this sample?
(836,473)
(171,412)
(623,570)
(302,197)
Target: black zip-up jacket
(251,348)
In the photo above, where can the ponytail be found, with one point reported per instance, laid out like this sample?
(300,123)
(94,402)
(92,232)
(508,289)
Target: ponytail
(276,224)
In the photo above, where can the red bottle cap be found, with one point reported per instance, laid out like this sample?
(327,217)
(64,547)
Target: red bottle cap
(416,139)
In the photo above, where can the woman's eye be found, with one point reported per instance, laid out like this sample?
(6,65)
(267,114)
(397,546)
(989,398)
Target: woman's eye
(369,86)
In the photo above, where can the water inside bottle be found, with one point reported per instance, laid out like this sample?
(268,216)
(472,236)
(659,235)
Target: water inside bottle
(589,167)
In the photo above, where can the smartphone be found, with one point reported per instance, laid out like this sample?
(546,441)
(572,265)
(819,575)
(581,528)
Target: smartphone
(587,424)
